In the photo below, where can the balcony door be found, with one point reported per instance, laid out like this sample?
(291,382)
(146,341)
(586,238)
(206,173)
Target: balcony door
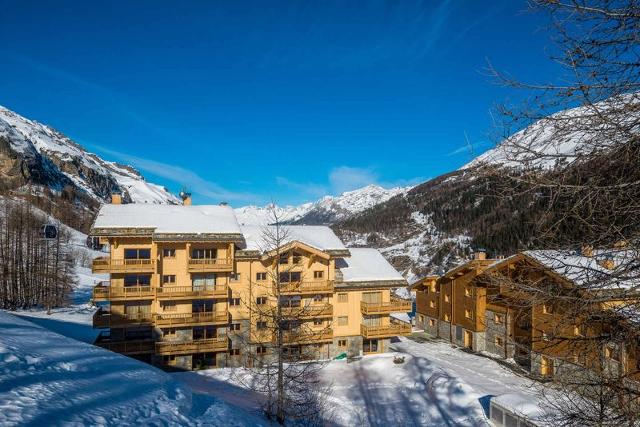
(204,253)
(372,321)
(137,254)
(372,297)
(203,281)
(137,280)
(140,311)
(202,307)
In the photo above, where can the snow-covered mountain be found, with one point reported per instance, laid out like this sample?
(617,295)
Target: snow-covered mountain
(564,137)
(36,154)
(327,210)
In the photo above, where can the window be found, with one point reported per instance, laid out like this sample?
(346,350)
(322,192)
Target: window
(290,277)
(467,291)
(547,309)
(432,304)
(284,259)
(432,322)
(235,277)
(446,297)
(234,301)
(612,352)
(297,258)
(204,253)
(234,327)
(169,306)
(169,332)
(168,279)
(202,281)
(261,325)
(261,300)
(290,301)
(370,346)
(261,276)
(234,352)
(498,318)
(137,254)
(261,350)
(499,342)
(137,280)
(318,274)
(343,297)
(318,298)
(468,313)
(343,320)
(447,318)
(168,253)
(342,343)
(317,322)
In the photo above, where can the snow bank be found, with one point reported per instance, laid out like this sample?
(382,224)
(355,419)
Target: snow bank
(48,379)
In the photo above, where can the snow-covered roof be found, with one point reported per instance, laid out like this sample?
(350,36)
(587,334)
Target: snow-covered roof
(317,236)
(523,405)
(366,265)
(587,271)
(196,219)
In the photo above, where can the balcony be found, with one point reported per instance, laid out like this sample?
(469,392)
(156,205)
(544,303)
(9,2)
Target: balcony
(307,336)
(308,312)
(130,347)
(191,319)
(106,319)
(304,287)
(112,265)
(192,292)
(104,292)
(209,265)
(396,305)
(387,331)
(167,348)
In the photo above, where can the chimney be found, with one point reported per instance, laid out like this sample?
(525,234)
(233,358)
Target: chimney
(186,197)
(480,254)
(116,198)
(586,250)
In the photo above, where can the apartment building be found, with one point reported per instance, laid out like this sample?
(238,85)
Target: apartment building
(189,287)
(491,305)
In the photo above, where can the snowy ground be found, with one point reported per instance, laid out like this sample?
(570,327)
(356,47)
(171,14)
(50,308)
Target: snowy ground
(437,385)
(48,379)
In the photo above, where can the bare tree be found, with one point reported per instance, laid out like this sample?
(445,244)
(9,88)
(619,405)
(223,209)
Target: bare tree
(286,362)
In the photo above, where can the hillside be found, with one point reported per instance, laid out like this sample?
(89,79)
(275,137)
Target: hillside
(62,177)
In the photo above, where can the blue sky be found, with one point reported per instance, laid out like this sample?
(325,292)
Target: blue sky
(249,102)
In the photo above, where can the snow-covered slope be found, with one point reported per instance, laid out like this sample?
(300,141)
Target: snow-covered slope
(49,379)
(563,137)
(50,156)
(327,210)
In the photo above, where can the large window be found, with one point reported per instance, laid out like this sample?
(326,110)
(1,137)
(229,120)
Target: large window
(290,276)
(372,297)
(204,253)
(137,280)
(137,254)
(370,346)
(290,301)
(202,281)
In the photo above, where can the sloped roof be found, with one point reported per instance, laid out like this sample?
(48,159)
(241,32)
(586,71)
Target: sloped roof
(319,237)
(196,219)
(367,265)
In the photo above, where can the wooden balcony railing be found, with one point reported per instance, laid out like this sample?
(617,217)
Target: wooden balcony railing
(166,348)
(206,265)
(189,292)
(104,292)
(307,287)
(307,336)
(112,265)
(106,319)
(391,330)
(310,311)
(192,319)
(396,305)
(129,347)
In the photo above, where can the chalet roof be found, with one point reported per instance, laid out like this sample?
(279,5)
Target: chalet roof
(168,219)
(468,266)
(319,237)
(368,265)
